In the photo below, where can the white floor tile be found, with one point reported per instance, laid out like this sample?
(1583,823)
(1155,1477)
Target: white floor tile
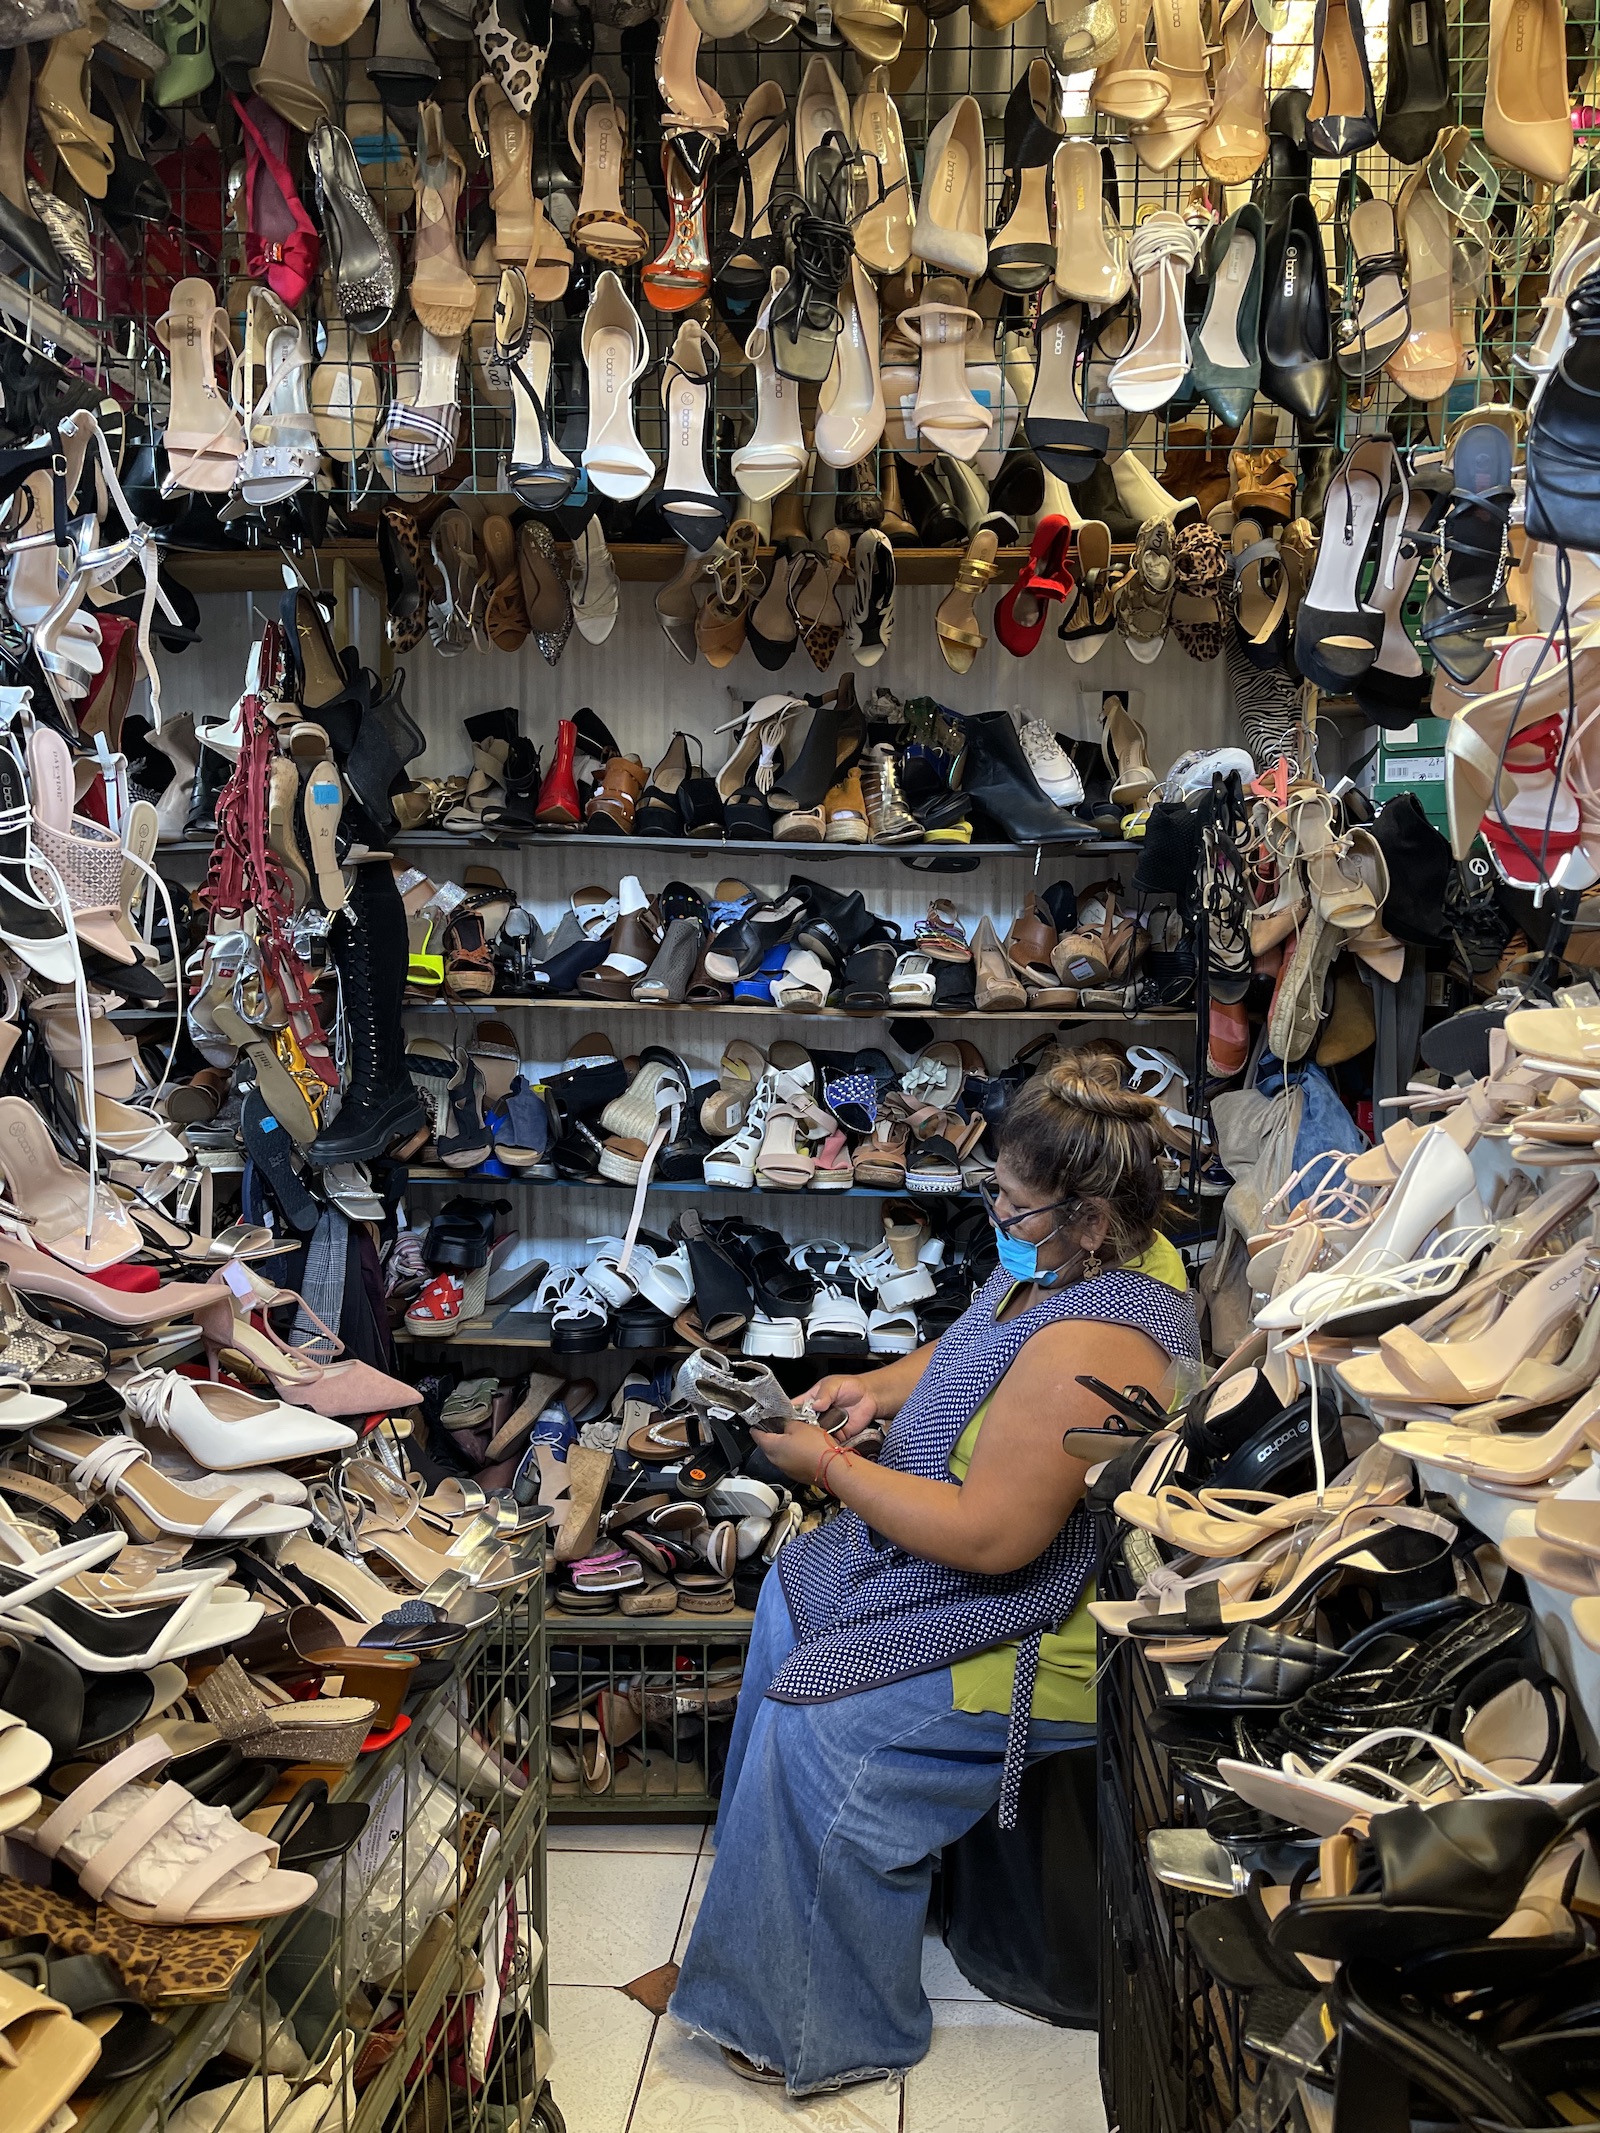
(614,1915)
(597,1836)
(697,1888)
(688,2089)
(941,1980)
(989,2071)
(601,2038)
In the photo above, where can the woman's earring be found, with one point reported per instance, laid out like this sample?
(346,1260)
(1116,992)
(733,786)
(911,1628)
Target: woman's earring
(1092,1268)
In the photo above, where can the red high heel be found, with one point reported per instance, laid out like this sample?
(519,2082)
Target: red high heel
(1020,614)
(281,240)
(558,806)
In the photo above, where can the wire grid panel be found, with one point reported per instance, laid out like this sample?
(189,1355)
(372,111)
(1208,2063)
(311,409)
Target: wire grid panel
(1192,2027)
(439,1903)
(664,1701)
(1499,283)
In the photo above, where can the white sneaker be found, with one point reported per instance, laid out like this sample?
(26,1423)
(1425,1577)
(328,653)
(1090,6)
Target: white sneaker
(895,1286)
(1051,765)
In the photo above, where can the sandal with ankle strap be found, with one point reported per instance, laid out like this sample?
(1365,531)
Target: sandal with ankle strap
(1466,604)
(744,263)
(204,438)
(597,134)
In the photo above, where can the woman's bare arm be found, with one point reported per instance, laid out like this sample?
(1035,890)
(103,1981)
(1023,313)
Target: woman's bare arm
(1021,1486)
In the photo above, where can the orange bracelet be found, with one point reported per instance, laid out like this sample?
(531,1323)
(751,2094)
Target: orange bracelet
(834,1451)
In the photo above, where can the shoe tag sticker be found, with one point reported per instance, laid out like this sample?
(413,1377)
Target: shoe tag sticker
(236,1277)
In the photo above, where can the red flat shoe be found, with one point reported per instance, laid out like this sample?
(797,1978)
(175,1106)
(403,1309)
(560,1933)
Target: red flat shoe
(1020,614)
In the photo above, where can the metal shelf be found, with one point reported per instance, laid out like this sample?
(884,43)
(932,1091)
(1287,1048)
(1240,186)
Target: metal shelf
(437,1174)
(1054,1018)
(710,847)
(618,1628)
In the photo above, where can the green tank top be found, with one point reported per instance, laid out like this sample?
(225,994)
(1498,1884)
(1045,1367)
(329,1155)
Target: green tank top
(1064,1687)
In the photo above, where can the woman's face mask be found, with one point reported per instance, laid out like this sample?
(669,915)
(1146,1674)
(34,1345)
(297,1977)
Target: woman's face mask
(1019,1258)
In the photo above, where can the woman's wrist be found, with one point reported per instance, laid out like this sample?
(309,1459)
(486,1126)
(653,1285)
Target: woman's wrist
(826,1467)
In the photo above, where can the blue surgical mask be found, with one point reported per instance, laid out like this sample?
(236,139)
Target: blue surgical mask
(1020,1260)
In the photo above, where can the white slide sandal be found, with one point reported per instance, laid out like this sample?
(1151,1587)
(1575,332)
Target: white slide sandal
(134,1846)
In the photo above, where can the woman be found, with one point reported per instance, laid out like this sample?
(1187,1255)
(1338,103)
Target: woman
(896,1683)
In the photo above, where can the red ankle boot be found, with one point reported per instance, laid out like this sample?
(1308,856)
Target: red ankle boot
(558,796)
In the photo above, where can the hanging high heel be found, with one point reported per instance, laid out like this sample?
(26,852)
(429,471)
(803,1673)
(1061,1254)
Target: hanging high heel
(690,506)
(1233,146)
(745,262)
(540,473)
(680,273)
(315,1381)
(1127,88)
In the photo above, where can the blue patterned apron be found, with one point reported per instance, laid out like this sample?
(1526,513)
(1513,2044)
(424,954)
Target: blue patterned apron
(867,1612)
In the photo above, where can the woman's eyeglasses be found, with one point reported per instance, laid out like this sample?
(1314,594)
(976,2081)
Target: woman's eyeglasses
(1006,1224)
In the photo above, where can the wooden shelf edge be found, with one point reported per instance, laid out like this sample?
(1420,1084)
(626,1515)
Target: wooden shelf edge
(636,563)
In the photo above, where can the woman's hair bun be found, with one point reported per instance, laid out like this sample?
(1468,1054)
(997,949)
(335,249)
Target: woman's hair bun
(1091,1084)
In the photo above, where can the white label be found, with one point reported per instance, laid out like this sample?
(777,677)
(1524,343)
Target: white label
(1419,22)
(1418,769)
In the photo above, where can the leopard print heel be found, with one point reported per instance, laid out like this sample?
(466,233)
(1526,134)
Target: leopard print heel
(1202,592)
(517,66)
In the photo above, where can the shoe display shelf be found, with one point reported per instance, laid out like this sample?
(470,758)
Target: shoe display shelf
(380,1978)
(1171,2051)
(702,848)
(637,563)
(664,1686)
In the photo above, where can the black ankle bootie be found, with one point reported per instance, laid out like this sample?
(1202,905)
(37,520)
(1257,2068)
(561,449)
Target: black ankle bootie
(997,775)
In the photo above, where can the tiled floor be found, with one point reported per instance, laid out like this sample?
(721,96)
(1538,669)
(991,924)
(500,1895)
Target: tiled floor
(622,1900)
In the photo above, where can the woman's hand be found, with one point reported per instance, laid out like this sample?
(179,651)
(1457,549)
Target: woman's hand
(858,1402)
(797,1451)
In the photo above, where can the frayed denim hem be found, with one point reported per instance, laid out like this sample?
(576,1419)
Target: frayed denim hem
(857,2079)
